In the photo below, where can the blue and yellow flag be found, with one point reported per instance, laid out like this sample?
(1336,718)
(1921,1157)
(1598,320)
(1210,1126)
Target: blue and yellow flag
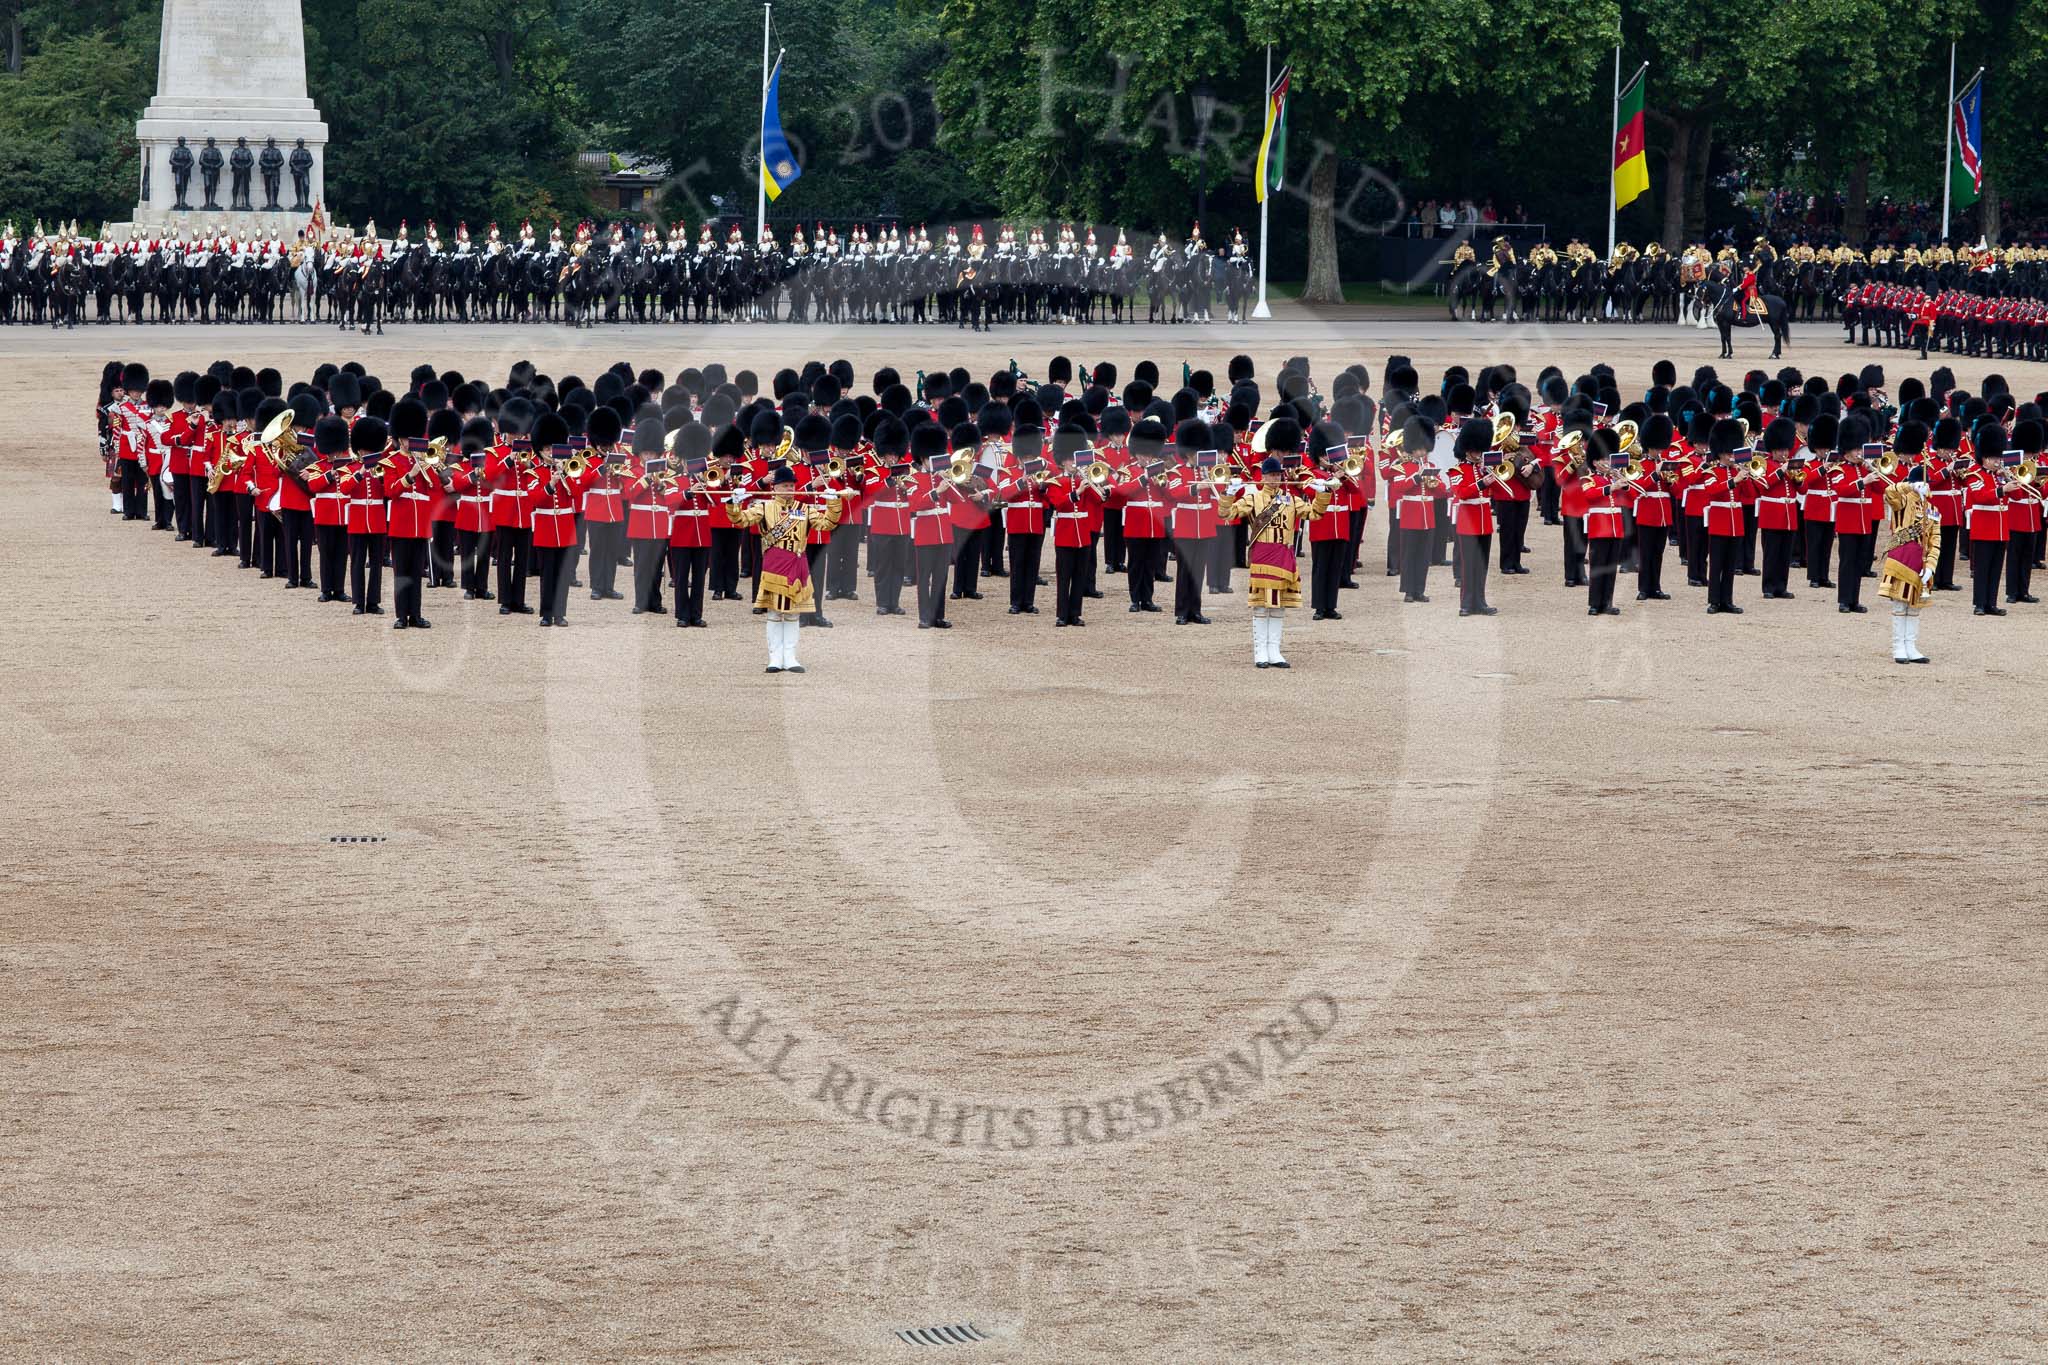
(778,163)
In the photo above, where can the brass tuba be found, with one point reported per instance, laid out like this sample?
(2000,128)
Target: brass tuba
(1627,435)
(1505,438)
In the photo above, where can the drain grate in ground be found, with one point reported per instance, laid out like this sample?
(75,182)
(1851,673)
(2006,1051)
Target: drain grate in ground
(357,838)
(958,1334)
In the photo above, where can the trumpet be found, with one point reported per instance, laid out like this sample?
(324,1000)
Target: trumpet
(1759,468)
(835,468)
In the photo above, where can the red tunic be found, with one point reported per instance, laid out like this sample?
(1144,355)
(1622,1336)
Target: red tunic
(1024,508)
(689,518)
(1984,506)
(411,491)
(1472,506)
(1723,503)
(1071,511)
(1143,507)
(1777,502)
(1414,509)
(330,504)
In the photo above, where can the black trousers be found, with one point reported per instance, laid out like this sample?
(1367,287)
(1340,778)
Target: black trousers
(408,575)
(1651,542)
(648,555)
(1026,553)
(1724,560)
(725,559)
(160,500)
(1777,560)
(1548,496)
(1113,541)
(555,574)
(1190,567)
(1358,517)
(1694,547)
(688,567)
(1945,562)
(366,571)
(202,508)
(1855,549)
(225,520)
(607,549)
(992,550)
(1440,539)
(1604,563)
(513,549)
(1219,551)
(473,552)
(441,556)
(1415,548)
(1144,561)
(932,563)
(1393,543)
(134,490)
(1574,551)
(1090,564)
(265,541)
(1749,539)
(1070,565)
(966,560)
(1986,558)
(245,527)
(2019,563)
(333,560)
(183,498)
(1512,519)
(1820,537)
(296,535)
(1475,553)
(1240,533)
(750,562)
(842,563)
(1329,561)
(889,557)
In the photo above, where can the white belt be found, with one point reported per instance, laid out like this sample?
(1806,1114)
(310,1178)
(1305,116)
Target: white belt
(506,493)
(1022,505)
(1724,504)
(650,507)
(878,506)
(692,512)
(415,497)
(1187,506)
(1150,502)
(366,502)
(930,512)
(1976,512)
(1475,502)
(1417,497)
(318,496)
(474,497)
(554,511)
(1646,497)
(1784,501)
(602,493)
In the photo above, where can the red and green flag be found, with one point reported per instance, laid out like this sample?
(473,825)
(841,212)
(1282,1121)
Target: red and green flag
(1272,162)
(1631,166)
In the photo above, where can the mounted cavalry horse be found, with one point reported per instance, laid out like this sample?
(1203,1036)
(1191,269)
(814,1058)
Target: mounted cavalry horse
(1729,313)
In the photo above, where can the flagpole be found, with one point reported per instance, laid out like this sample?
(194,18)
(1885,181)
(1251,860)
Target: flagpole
(760,183)
(1260,310)
(1613,138)
(1948,139)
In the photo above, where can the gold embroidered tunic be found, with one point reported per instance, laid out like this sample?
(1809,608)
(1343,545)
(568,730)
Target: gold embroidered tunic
(1272,515)
(786,527)
(1914,544)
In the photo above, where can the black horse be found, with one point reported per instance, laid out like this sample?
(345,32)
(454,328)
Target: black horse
(1730,314)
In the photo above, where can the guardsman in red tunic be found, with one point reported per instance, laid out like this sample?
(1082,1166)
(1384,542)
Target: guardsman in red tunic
(411,483)
(559,491)
(842,553)
(1571,499)
(514,482)
(1411,488)
(1650,490)
(1070,495)
(2023,512)
(1984,515)
(604,506)
(330,505)
(1725,521)
(444,427)
(1817,500)
(1142,500)
(1023,499)
(1329,530)
(198,448)
(155,430)
(1855,526)
(885,500)
(689,530)
(241,482)
(931,523)
(363,484)
(219,462)
(651,475)
(727,447)
(127,421)
(179,439)
(1606,527)
(1472,508)
(1945,473)
(1224,550)
(472,490)
(1191,518)
(1777,508)
(264,489)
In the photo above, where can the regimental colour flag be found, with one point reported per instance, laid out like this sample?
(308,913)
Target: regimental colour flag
(778,163)
(1966,131)
(1631,166)
(1272,162)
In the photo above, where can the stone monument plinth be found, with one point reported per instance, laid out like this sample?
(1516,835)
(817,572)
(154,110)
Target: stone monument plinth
(228,70)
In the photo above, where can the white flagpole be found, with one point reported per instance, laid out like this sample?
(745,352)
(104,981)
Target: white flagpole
(1613,140)
(761,185)
(1260,310)
(1948,139)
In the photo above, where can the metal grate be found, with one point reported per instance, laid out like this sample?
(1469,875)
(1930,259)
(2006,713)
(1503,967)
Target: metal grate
(958,1334)
(357,838)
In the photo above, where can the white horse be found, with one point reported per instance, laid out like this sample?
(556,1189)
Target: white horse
(306,283)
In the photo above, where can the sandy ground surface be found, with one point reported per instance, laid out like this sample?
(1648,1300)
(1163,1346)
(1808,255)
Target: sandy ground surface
(1650,988)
